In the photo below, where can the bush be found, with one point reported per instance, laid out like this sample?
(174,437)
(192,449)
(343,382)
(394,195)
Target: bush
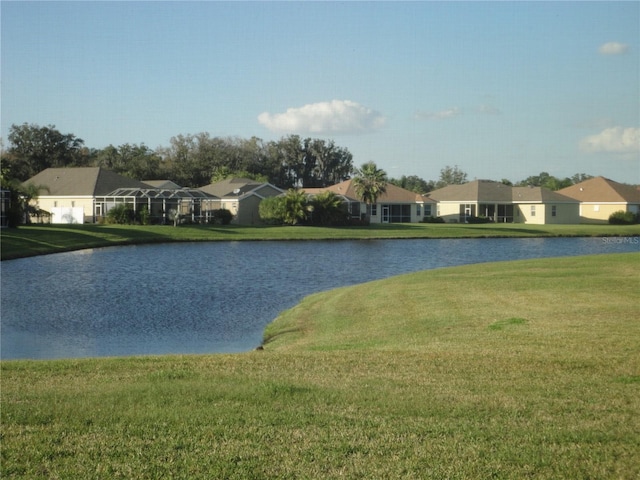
(222,216)
(478,220)
(272,210)
(121,214)
(432,220)
(622,218)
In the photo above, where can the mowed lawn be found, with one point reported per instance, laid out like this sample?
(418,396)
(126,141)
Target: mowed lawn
(42,239)
(526,369)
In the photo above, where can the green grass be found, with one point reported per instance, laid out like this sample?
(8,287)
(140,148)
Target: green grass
(37,240)
(525,369)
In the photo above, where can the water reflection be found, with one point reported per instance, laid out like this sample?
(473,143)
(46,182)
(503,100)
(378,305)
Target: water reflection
(212,297)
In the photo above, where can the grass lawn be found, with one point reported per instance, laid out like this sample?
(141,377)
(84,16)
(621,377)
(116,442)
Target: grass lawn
(37,240)
(527,369)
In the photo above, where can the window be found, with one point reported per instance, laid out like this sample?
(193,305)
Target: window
(418,210)
(427,210)
(73,204)
(533,210)
(55,203)
(374,209)
(596,208)
(553,210)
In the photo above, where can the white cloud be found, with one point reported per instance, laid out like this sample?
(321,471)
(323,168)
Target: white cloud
(441,115)
(613,140)
(613,48)
(334,117)
(489,110)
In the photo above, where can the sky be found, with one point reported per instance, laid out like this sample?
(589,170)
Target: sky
(503,90)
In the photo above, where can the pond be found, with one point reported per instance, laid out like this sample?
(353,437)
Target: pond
(213,297)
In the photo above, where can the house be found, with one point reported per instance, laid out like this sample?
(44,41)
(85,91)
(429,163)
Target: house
(395,205)
(242,197)
(599,197)
(68,194)
(503,203)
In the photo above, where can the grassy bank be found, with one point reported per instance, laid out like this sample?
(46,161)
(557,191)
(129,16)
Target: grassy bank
(39,240)
(527,369)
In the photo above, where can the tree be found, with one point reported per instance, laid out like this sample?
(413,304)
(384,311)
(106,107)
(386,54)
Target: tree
(547,181)
(413,183)
(33,148)
(370,182)
(451,176)
(295,207)
(133,161)
(327,209)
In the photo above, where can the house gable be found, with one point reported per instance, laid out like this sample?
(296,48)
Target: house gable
(602,190)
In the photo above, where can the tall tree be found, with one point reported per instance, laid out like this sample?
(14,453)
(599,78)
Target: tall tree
(413,183)
(451,176)
(33,148)
(369,182)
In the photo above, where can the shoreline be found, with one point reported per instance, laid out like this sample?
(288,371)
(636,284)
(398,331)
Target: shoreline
(35,240)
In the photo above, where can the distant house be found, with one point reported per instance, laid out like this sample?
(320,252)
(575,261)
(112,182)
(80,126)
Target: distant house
(396,205)
(502,203)
(86,194)
(599,197)
(70,193)
(242,197)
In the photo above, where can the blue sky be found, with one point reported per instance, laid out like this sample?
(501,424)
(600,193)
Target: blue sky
(501,89)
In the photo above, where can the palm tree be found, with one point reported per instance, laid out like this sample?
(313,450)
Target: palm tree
(295,206)
(328,209)
(369,183)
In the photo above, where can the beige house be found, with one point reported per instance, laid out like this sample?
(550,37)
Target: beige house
(396,205)
(599,197)
(503,204)
(242,197)
(69,193)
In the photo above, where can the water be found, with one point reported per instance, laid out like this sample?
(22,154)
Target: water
(213,297)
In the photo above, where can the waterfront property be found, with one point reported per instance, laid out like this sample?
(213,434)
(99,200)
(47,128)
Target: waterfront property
(503,203)
(68,194)
(242,197)
(395,205)
(599,197)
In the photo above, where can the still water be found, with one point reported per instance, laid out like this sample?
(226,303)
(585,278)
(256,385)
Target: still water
(213,297)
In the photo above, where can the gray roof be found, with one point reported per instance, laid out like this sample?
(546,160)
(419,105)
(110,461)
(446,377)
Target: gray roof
(231,187)
(82,181)
(167,184)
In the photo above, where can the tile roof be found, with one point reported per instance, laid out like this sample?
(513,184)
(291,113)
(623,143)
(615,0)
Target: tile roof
(601,189)
(81,181)
(393,194)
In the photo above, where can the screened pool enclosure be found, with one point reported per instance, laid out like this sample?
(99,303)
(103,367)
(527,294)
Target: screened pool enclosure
(162,205)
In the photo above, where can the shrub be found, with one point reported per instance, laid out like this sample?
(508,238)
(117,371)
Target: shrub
(145,216)
(271,210)
(222,216)
(432,220)
(478,219)
(121,214)
(622,218)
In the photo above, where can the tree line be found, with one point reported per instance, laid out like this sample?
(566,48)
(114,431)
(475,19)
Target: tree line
(200,159)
